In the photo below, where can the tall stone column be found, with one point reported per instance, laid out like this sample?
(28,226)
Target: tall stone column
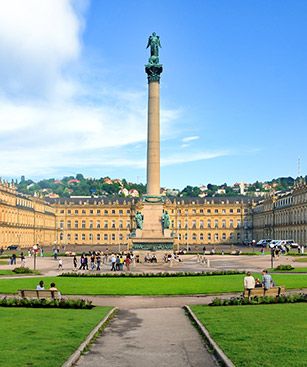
(153,139)
(153,70)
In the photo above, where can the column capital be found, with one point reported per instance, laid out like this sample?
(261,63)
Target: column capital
(153,72)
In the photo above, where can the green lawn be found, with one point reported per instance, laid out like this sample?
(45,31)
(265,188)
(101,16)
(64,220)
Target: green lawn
(44,337)
(148,286)
(264,335)
(301,260)
(7,272)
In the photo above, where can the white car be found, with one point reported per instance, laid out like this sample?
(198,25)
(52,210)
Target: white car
(291,243)
(263,243)
(275,243)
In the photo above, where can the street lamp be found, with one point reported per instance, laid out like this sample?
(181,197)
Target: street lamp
(35,249)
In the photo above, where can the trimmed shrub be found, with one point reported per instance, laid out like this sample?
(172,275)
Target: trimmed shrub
(46,303)
(284,267)
(150,275)
(22,270)
(242,301)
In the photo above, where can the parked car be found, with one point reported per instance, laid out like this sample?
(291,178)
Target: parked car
(263,243)
(12,247)
(275,243)
(291,243)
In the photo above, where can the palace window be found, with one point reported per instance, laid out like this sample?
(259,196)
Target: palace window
(76,237)
(216,211)
(68,237)
(83,211)
(120,211)
(201,236)
(224,236)
(120,237)
(223,211)
(194,237)
(91,236)
(68,211)
(76,211)
(208,211)
(216,236)
(91,224)
(105,237)
(106,212)
(91,211)
(216,223)
(201,224)
(209,236)
(238,210)
(98,236)
(209,223)
(83,224)
(61,236)
(98,224)
(230,210)
(105,224)
(61,224)
(238,236)
(113,211)
(83,236)
(69,224)
(120,224)
(194,224)
(76,224)
(231,223)
(113,237)
(223,223)
(113,224)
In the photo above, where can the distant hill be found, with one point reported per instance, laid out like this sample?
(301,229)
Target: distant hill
(105,186)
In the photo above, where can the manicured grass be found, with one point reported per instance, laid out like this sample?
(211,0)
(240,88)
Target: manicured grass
(264,335)
(301,260)
(7,272)
(44,337)
(148,286)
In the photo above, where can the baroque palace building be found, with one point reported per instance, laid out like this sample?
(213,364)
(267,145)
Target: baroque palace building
(26,220)
(283,215)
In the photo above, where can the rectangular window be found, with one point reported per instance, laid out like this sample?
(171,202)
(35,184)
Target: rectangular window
(238,210)
(91,224)
(83,211)
(105,224)
(208,211)
(223,223)
(83,224)
(68,236)
(128,225)
(179,224)
(62,211)
(194,224)
(106,212)
(113,237)
(83,236)
(230,210)
(91,236)
(201,224)
(76,211)
(231,223)
(120,211)
(76,224)
(61,224)
(76,237)
(113,224)
(98,236)
(113,211)
(209,236)
(68,211)
(68,224)
(98,224)
(98,211)
(201,211)
(216,223)
(105,237)
(91,211)
(216,211)
(223,211)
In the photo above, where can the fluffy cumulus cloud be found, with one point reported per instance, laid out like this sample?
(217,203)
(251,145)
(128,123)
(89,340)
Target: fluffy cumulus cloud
(51,121)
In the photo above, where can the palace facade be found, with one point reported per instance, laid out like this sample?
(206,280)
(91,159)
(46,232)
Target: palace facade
(283,215)
(26,220)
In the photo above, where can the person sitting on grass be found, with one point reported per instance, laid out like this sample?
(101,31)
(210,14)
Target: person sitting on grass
(258,284)
(40,286)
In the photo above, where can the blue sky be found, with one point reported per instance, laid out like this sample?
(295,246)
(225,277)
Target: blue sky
(73,91)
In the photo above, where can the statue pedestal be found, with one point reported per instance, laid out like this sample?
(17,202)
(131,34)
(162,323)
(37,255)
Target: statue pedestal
(152,237)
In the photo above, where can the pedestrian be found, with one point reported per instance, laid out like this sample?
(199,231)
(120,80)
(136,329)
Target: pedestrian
(117,263)
(85,262)
(42,252)
(93,262)
(121,263)
(22,260)
(60,267)
(249,283)
(128,262)
(98,261)
(14,259)
(75,262)
(113,262)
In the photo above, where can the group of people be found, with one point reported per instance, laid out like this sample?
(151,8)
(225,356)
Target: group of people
(94,260)
(250,282)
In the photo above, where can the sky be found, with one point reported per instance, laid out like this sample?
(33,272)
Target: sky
(73,90)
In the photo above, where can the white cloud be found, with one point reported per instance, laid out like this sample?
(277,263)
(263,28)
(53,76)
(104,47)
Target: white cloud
(189,138)
(49,120)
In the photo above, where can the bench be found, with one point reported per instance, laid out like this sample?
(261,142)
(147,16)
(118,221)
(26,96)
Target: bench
(260,292)
(33,293)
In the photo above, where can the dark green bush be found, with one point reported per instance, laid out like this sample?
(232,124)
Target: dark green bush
(284,267)
(242,301)
(46,303)
(151,275)
(22,270)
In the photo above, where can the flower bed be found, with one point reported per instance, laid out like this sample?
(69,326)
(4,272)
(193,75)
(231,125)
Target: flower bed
(83,304)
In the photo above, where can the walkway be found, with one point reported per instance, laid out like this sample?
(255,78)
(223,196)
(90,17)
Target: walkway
(162,337)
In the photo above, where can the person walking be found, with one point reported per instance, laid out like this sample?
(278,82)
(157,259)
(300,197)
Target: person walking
(113,262)
(60,266)
(75,262)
